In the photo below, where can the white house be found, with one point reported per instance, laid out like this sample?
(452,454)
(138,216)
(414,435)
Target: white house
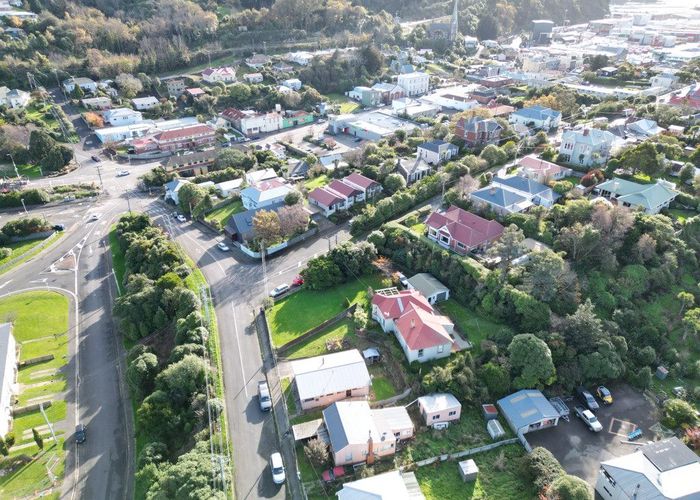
(8,376)
(227,188)
(253,77)
(663,80)
(172,188)
(292,83)
(590,146)
(416,83)
(301,58)
(251,122)
(225,74)
(123,132)
(97,102)
(14,98)
(86,84)
(265,193)
(255,176)
(143,103)
(537,117)
(394,485)
(437,151)
(122,116)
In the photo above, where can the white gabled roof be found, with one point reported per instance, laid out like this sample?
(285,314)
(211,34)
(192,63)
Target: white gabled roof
(388,486)
(438,401)
(330,373)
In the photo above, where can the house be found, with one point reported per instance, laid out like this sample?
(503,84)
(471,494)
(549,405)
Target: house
(665,469)
(226,74)
(645,128)
(96,102)
(14,99)
(541,170)
(323,380)
(365,95)
(477,132)
(329,200)
(195,92)
(590,146)
(239,226)
(415,83)
(371,125)
(175,86)
(251,122)
(462,231)
(122,116)
(255,176)
(393,485)
(8,376)
(422,334)
(123,133)
(389,92)
(437,151)
(257,61)
(536,192)
(438,408)
(413,169)
(429,287)
(292,83)
(291,118)
(663,80)
(145,103)
(608,72)
(282,67)
(360,434)
(86,84)
(528,410)
(344,193)
(187,137)
(537,117)
(265,193)
(650,198)
(189,165)
(253,77)
(172,188)
(514,194)
(301,58)
(227,188)
(498,110)
(369,187)
(413,109)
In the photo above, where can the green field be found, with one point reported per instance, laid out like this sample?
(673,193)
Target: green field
(19,248)
(474,325)
(499,477)
(222,214)
(303,310)
(344,330)
(30,171)
(382,388)
(347,105)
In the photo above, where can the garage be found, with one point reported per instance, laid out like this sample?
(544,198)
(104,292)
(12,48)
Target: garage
(430,287)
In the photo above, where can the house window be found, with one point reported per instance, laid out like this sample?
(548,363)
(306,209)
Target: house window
(441,348)
(348,456)
(444,239)
(420,353)
(460,245)
(436,417)
(452,413)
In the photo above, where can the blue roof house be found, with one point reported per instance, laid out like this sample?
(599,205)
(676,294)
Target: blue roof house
(528,410)
(507,195)
(537,117)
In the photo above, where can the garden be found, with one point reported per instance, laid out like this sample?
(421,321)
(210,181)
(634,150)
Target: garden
(223,213)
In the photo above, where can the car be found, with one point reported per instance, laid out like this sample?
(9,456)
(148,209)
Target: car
(95,158)
(588,418)
(277,468)
(402,279)
(59,227)
(222,246)
(298,280)
(264,396)
(80,433)
(587,399)
(604,395)
(279,290)
(123,173)
(181,218)
(94,217)
(359,139)
(321,121)
(256,138)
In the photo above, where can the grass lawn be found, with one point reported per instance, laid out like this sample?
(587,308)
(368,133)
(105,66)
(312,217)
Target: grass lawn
(223,213)
(347,105)
(681,215)
(303,310)
(498,478)
(30,171)
(419,228)
(311,478)
(18,248)
(288,392)
(319,181)
(476,326)
(32,477)
(118,263)
(382,388)
(316,346)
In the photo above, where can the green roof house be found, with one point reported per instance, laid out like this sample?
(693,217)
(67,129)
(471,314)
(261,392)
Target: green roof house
(651,198)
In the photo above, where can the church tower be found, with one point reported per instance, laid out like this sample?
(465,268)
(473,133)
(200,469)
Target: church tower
(454,25)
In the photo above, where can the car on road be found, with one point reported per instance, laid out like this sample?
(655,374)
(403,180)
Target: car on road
(59,227)
(264,396)
(359,139)
(123,173)
(222,246)
(256,138)
(587,399)
(94,217)
(402,279)
(604,395)
(321,121)
(80,433)
(181,218)
(277,468)
(279,290)
(298,280)
(588,418)
(95,158)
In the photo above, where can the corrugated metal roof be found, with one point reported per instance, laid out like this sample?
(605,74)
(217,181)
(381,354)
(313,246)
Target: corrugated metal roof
(330,373)
(526,407)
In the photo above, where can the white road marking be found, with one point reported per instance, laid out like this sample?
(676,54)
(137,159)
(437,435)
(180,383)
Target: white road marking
(5,284)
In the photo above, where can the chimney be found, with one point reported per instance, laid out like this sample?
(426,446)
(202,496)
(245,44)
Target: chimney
(370,449)
(413,323)
(586,132)
(492,191)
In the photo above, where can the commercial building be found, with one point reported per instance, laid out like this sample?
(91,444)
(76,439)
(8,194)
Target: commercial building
(8,376)
(415,84)
(371,125)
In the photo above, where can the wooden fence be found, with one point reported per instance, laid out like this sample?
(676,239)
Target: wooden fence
(314,331)
(465,453)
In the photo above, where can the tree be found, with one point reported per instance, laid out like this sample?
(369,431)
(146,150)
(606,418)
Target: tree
(321,273)
(316,452)
(141,374)
(40,143)
(293,219)
(645,248)
(496,379)
(644,158)
(233,158)
(568,487)
(360,318)
(583,329)
(691,323)
(37,438)
(678,412)
(240,94)
(189,196)
(128,84)
(267,227)
(182,380)
(578,241)
(548,277)
(394,182)
(487,27)
(687,173)
(541,468)
(686,300)
(203,206)
(494,155)
(531,361)
(509,246)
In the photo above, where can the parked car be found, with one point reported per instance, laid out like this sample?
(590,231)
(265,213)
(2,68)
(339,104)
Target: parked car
(95,158)
(94,217)
(123,173)
(222,246)
(80,433)
(181,218)
(587,399)
(279,290)
(588,418)
(264,396)
(604,395)
(59,227)
(277,468)
(333,473)
(298,280)
(403,280)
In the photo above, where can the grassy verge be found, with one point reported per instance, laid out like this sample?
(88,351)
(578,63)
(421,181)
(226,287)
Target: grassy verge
(347,105)
(25,250)
(118,257)
(18,248)
(499,477)
(31,477)
(222,214)
(303,310)
(288,392)
(474,325)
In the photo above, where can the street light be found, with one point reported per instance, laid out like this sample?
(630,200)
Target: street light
(24,206)
(14,164)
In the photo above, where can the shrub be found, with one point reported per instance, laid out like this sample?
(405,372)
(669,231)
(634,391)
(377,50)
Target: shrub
(541,467)
(5,252)
(317,453)
(678,413)
(567,487)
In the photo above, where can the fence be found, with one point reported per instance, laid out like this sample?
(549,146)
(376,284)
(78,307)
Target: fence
(277,248)
(314,331)
(465,453)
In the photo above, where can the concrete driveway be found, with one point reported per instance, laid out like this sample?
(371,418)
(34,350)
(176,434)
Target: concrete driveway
(580,451)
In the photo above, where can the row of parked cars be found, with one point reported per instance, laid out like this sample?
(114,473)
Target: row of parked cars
(589,404)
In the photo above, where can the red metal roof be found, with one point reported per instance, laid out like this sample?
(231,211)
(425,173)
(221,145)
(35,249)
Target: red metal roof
(233,114)
(184,132)
(465,227)
(393,306)
(421,329)
(343,188)
(360,180)
(324,197)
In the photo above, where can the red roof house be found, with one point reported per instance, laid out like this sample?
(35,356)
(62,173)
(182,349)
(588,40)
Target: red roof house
(364,184)
(541,170)
(341,194)
(422,334)
(462,231)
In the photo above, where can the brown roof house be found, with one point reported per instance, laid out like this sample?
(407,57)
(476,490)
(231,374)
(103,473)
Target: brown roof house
(462,231)
(478,131)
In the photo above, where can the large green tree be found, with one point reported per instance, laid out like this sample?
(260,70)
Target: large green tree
(531,362)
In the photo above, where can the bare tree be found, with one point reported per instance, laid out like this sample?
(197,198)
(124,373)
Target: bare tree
(292,219)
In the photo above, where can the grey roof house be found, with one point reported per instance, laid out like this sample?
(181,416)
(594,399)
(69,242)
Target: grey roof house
(437,151)
(528,410)
(413,169)
(651,198)
(514,194)
(240,226)
(429,287)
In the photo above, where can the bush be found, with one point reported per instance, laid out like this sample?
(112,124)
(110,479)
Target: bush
(24,227)
(30,196)
(678,413)
(316,452)
(542,468)
(5,252)
(567,487)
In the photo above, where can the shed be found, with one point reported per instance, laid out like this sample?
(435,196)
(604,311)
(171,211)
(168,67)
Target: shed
(489,411)
(431,288)
(495,429)
(437,408)
(468,470)
(371,355)
(528,410)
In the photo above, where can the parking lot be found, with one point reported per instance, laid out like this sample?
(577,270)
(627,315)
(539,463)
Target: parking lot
(580,451)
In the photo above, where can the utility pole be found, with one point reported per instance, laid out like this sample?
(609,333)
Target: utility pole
(128,201)
(99,174)
(43,413)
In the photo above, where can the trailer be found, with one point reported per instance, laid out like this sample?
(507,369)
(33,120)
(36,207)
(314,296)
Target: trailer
(561,407)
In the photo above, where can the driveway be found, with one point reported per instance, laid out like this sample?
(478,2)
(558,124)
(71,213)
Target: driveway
(580,451)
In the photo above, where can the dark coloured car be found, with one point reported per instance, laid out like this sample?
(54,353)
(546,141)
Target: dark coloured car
(95,158)
(59,227)
(80,433)
(587,399)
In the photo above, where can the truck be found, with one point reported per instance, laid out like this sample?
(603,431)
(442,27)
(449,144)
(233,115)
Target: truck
(264,396)
(588,418)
